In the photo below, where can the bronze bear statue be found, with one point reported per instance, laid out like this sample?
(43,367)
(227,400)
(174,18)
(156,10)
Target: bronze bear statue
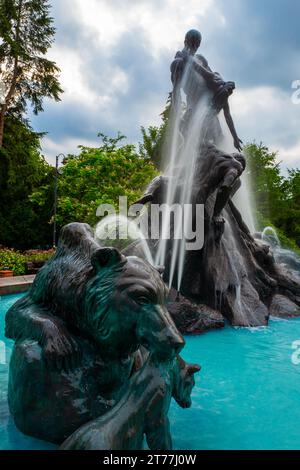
(142,411)
(77,333)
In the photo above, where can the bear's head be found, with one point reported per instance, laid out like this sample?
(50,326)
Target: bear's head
(124,307)
(183,381)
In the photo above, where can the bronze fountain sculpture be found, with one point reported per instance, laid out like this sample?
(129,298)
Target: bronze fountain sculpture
(78,334)
(233,272)
(95,343)
(142,411)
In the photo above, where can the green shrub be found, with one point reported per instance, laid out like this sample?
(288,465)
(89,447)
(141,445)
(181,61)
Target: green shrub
(14,260)
(38,256)
(285,241)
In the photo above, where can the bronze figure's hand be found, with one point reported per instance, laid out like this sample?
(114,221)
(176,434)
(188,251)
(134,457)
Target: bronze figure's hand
(238,144)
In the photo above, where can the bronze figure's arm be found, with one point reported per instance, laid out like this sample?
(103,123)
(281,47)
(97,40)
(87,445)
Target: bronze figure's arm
(177,70)
(205,71)
(229,120)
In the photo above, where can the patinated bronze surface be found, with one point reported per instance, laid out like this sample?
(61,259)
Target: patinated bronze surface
(191,72)
(96,355)
(78,332)
(234,273)
(142,411)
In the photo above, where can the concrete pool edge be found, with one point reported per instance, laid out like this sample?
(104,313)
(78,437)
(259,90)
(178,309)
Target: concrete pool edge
(15,284)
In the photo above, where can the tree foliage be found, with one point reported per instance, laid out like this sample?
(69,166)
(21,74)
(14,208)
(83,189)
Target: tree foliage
(98,176)
(23,171)
(26,75)
(277,197)
(95,176)
(155,137)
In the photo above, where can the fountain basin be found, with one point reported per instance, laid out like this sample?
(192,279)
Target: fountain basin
(246,396)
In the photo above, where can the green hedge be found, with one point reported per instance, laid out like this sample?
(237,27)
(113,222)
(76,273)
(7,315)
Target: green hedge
(37,256)
(14,260)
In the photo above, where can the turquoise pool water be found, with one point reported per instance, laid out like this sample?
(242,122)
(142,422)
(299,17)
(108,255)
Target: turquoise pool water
(247,395)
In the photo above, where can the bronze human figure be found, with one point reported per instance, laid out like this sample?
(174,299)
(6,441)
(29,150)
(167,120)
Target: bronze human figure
(191,72)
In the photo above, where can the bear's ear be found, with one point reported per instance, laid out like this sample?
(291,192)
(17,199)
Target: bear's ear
(192,369)
(106,257)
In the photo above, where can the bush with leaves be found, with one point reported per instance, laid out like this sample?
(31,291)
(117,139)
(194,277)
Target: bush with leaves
(28,76)
(98,176)
(154,138)
(38,256)
(276,197)
(24,222)
(13,260)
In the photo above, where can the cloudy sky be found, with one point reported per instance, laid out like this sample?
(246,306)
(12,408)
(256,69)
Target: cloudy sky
(114,57)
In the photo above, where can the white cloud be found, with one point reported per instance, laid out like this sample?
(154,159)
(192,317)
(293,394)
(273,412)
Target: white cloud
(267,114)
(107,94)
(290,156)
(72,75)
(162,22)
(76,87)
(69,145)
(146,114)
(104,22)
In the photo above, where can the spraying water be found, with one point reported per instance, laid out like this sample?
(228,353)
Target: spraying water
(171,161)
(119,231)
(270,236)
(242,198)
(190,154)
(181,155)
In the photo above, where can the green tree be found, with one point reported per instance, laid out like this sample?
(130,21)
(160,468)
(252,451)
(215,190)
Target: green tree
(267,181)
(291,218)
(277,198)
(24,223)
(26,75)
(152,144)
(154,138)
(98,176)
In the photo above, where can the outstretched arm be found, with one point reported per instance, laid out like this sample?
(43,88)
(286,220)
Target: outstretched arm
(229,120)
(28,320)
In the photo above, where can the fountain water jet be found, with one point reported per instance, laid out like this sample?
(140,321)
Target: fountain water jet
(119,231)
(170,159)
(269,235)
(232,270)
(242,198)
(180,171)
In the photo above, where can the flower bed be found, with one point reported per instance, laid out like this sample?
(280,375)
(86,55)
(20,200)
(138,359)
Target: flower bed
(28,262)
